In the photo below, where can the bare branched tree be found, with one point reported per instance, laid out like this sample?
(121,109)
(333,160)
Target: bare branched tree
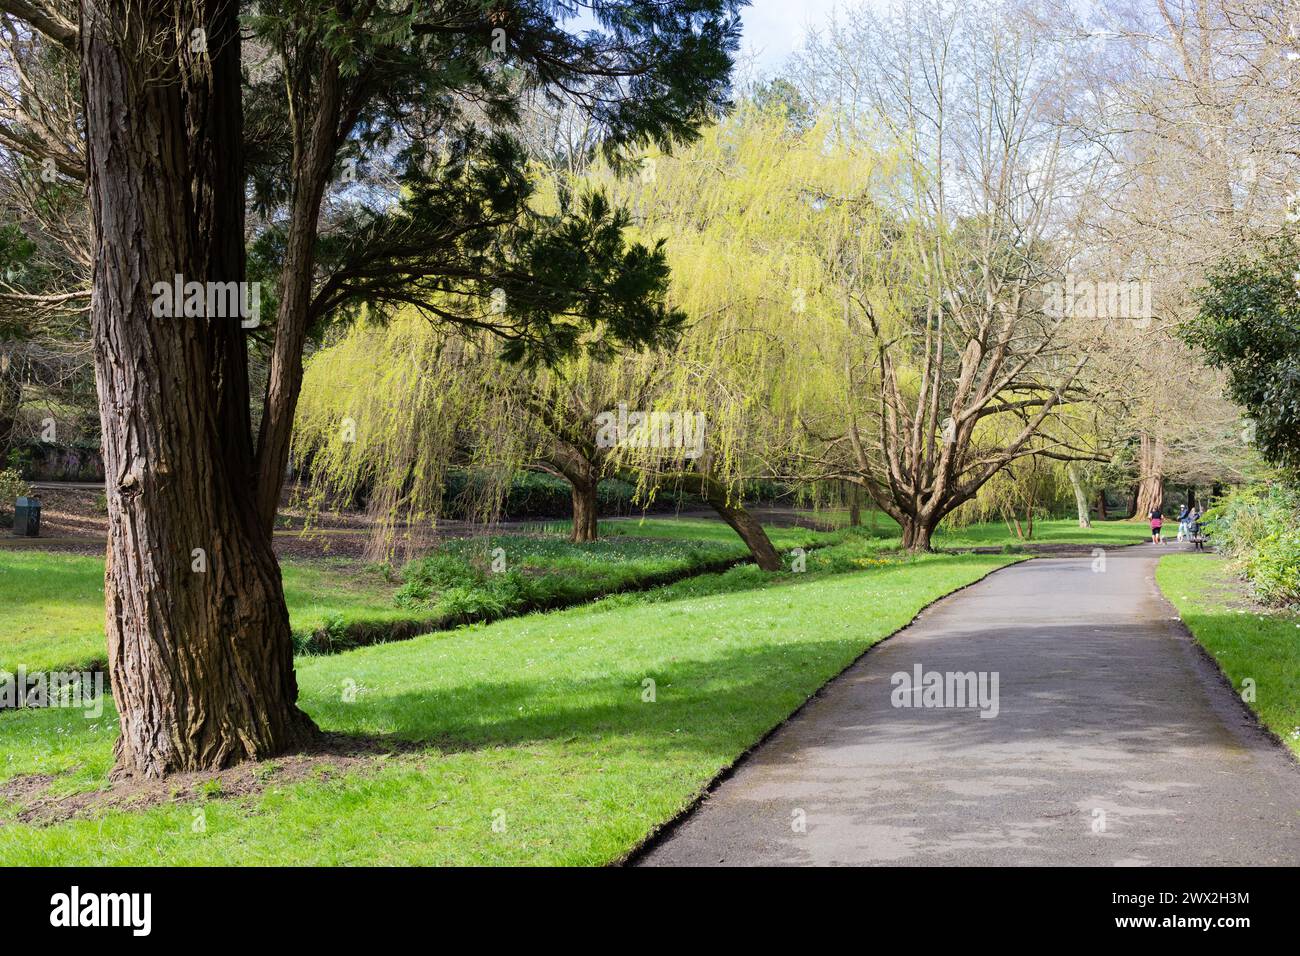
(964,364)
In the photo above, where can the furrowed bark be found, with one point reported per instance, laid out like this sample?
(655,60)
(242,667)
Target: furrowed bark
(1151,478)
(199,648)
(916,534)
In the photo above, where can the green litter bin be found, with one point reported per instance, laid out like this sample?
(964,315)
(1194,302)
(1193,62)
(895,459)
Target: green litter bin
(27,518)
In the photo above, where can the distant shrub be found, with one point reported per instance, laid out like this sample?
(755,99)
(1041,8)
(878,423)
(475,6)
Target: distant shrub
(426,578)
(471,604)
(12,487)
(535,494)
(1259,528)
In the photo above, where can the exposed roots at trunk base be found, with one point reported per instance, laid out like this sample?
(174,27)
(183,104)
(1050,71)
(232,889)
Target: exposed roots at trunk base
(295,732)
(331,755)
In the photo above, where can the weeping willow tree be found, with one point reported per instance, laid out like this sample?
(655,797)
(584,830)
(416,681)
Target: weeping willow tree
(391,406)
(773,226)
(742,216)
(388,407)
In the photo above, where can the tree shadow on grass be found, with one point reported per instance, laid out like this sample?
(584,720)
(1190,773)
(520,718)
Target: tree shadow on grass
(715,705)
(1059,683)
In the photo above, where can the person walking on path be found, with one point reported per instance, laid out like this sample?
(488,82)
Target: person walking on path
(1198,532)
(1183,520)
(1156,521)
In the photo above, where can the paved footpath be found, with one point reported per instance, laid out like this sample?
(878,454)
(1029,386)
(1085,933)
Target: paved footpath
(1115,743)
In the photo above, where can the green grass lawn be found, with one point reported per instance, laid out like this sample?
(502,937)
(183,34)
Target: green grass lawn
(538,724)
(1249,642)
(52,604)
(688,528)
(876,525)
(1053,531)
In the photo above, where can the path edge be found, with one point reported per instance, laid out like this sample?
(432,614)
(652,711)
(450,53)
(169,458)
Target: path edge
(1244,722)
(664,830)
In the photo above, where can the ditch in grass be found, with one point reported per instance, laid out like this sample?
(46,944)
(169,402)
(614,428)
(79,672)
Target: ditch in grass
(52,604)
(1249,641)
(561,738)
(876,525)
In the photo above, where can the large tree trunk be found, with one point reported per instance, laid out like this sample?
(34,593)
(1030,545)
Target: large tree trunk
(747,526)
(1080,498)
(199,648)
(916,534)
(583,476)
(1151,477)
(584,511)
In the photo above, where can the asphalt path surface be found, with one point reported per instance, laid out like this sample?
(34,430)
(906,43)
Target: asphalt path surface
(1115,742)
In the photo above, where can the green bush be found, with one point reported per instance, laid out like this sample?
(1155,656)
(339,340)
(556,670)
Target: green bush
(464,604)
(426,578)
(12,487)
(1259,528)
(1274,569)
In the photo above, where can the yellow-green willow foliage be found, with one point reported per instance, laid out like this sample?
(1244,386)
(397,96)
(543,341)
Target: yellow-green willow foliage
(387,408)
(761,227)
(766,232)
